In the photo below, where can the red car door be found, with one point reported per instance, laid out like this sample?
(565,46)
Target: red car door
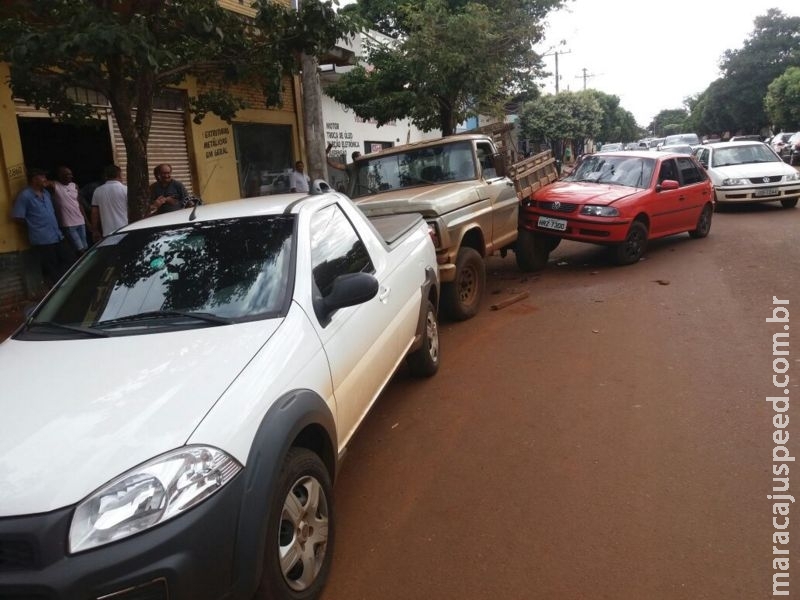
(667,206)
(696,191)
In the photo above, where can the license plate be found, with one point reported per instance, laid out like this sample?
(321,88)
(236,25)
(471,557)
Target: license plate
(766,192)
(551,223)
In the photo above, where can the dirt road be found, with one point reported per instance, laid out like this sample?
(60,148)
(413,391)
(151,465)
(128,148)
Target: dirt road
(605,438)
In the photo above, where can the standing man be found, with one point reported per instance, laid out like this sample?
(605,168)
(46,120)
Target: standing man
(110,204)
(166,194)
(298,181)
(34,208)
(69,210)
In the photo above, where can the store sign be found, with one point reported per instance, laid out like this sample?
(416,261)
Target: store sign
(216,142)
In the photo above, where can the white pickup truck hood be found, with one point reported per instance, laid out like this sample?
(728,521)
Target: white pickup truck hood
(428,200)
(70,427)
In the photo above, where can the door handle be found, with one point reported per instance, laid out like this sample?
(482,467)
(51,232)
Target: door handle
(681,198)
(383,295)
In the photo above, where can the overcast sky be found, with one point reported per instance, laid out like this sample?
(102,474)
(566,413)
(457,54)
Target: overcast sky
(650,54)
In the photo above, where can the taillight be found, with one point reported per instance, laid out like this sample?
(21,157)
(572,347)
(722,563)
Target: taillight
(434,235)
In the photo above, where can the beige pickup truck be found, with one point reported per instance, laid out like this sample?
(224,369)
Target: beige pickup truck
(468,188)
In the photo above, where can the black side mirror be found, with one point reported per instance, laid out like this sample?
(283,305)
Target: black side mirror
(347,290)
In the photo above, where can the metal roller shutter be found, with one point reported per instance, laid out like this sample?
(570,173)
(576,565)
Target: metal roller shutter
(167,145)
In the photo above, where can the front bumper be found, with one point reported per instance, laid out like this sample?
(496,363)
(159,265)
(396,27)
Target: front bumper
(577,227)
(761,193)
(188,557)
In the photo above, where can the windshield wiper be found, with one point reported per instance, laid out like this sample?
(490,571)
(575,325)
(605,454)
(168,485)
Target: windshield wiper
(159,314)
(77,328)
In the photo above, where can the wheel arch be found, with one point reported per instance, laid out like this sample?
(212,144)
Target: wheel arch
(430,291)
(643,219)
(300,418)
(474,238)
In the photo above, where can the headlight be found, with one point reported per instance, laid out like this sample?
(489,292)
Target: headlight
(735,181)
(792,177)
(594,210)
(150,494)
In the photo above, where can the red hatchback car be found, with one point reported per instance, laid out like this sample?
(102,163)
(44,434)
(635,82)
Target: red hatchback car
(619,199)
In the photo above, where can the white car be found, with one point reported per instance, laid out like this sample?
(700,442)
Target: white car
(747,172)
(174,411)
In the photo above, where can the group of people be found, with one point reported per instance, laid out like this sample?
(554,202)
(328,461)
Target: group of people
(300,182)
(62,220)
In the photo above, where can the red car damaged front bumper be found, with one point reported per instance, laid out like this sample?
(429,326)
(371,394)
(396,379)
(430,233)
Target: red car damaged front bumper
(563,220)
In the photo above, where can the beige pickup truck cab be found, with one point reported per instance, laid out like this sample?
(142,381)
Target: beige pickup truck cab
(459,185)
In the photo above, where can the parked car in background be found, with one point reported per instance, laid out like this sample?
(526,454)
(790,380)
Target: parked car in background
(219,360)
(681,139)
(791,151)
(746,138)
(746,172)
(621,200)
(655,143)
(679,148)
(780,141)
(612,147)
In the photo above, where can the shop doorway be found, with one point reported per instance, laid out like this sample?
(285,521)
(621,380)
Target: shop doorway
(46,144)
(263,158)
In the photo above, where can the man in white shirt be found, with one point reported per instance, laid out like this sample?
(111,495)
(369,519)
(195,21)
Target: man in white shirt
(298,181)
(110,203)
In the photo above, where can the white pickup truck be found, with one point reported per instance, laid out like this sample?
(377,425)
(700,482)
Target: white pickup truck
(173,413)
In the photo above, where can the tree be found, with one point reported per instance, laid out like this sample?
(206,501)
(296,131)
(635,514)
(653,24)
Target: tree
(131,50)
(783,100)
(561,118)
(669,121)
(617,124)
(736,102)
(443,60)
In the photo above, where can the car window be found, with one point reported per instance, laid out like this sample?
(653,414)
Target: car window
(690,172)
(336,249)
(230,269)
(743,153)
(668,170)
(620,170)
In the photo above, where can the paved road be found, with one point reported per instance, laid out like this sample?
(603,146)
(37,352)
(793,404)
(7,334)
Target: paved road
(605,438)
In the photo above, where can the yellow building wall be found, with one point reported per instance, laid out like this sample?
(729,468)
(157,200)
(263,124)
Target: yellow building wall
(12,235)
(212,145)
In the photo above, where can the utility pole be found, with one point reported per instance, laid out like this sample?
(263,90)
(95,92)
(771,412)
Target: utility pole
(585,76)
(556,55)
(551,52)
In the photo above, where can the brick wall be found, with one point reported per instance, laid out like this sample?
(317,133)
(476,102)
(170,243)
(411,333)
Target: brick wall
(254,98)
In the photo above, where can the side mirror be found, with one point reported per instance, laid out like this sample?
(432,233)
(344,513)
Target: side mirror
(347,290)
(668,184)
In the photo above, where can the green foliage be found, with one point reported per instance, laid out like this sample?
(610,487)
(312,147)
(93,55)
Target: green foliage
(783,100)
(735,102)
(443,60)
(130,50)
(558,119)
(670,121)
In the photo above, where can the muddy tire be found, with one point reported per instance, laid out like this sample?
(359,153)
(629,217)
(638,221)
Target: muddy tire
(461,298)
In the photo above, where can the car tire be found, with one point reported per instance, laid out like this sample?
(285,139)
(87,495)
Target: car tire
(703,223)
(790,203)
(532,250)
(462,297)
(632,249)
(424,361)
(299,544)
